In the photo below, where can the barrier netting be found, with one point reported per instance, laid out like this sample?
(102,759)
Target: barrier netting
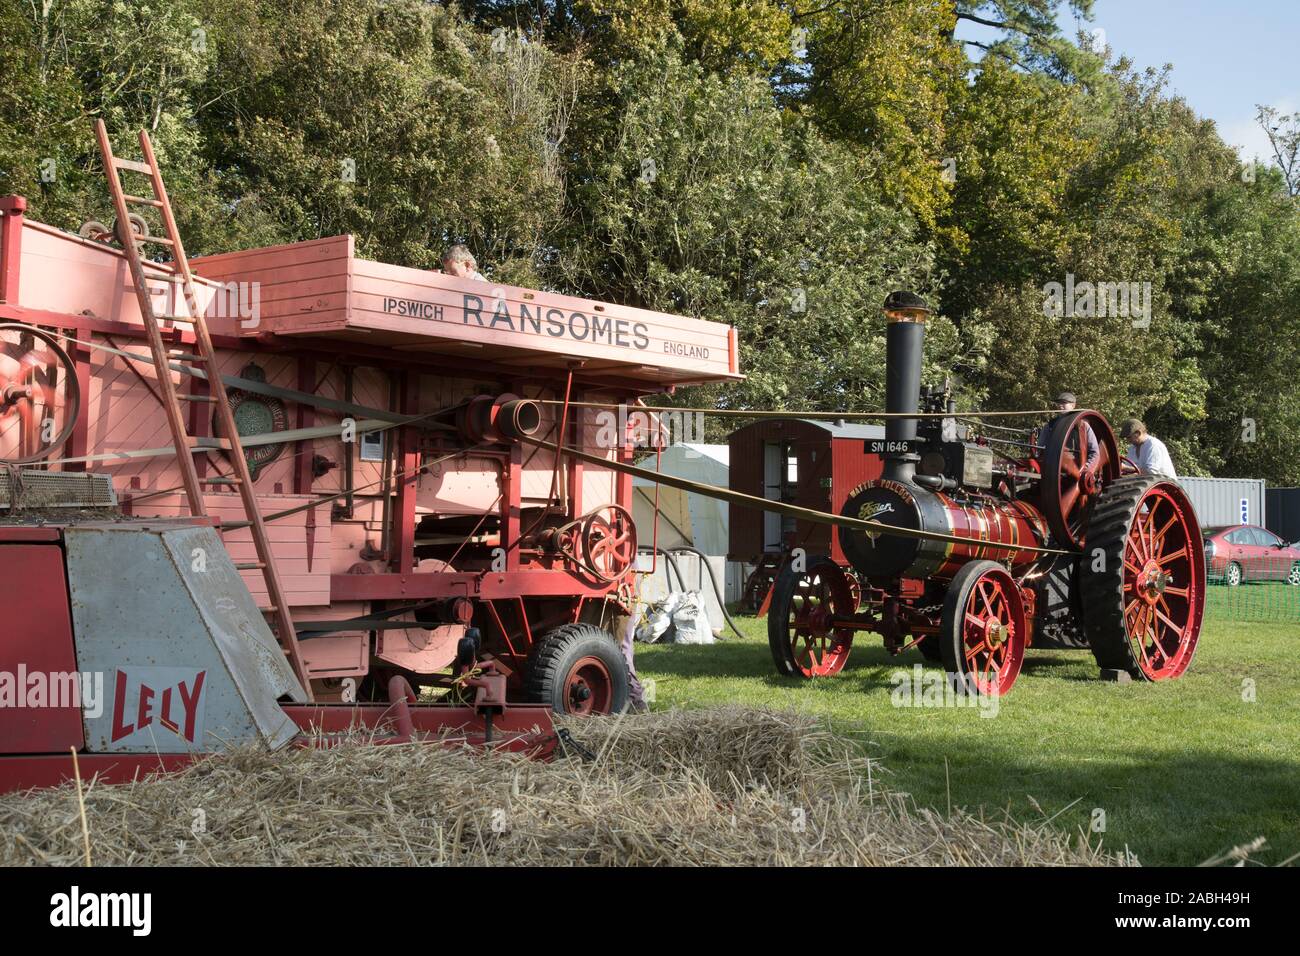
(1261,589)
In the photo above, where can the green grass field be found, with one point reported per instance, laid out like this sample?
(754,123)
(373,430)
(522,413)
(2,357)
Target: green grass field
(1182,770)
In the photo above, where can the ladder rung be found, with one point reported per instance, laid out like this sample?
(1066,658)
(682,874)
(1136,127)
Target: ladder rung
(224,481)
(159,240)
(190,397)
(132,165)
(249,566)
(270,609)
(143,200)
(186,356)
(205,441)
(175,318)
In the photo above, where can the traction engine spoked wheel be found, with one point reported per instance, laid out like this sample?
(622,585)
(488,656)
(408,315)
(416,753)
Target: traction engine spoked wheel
(1068,485)
(609,542)
(34,369)
(800,631)
(983,629)
(1143,611)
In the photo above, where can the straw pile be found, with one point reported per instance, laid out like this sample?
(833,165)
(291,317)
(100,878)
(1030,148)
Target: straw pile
(731,786)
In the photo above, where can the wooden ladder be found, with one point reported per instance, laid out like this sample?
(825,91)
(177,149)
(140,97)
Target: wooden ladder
(203,358)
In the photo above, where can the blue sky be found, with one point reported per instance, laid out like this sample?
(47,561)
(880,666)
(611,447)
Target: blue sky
(1227,55)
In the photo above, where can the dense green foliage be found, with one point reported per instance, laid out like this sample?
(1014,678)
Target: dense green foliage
(776,166)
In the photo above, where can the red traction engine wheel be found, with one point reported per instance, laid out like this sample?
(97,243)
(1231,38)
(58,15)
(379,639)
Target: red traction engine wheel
(38,385)
(802,626)
(983,629)
(1143,608)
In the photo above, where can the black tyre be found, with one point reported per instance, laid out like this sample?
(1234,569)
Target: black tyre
(578,669)
(930,649)
(1143,578)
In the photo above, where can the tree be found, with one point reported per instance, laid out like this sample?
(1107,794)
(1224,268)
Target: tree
(1283,132)
(1031,38)
(695,194)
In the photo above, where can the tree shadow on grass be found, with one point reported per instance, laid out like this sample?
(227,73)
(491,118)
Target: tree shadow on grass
(1169,810)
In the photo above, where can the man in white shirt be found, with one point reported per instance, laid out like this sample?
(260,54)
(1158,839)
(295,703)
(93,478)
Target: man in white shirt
(459,261)
(1147,451)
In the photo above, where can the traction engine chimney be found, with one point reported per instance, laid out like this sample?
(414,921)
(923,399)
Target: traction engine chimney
(906,313)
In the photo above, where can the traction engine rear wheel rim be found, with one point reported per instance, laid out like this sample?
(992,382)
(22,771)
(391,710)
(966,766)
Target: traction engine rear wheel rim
(821,594)
(1162,586)
(588,688)
(992,633)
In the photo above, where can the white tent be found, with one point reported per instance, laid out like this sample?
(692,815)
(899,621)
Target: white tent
(685,517)
(688,519)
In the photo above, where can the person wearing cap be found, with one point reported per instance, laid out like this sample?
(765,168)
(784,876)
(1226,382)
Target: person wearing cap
(1146,450)
(1065,403)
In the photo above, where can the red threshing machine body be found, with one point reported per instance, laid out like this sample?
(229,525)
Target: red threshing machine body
(448,522)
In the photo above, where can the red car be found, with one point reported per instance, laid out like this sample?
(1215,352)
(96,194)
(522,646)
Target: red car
(1247,552)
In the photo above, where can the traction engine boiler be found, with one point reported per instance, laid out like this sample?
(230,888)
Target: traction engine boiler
(997,551)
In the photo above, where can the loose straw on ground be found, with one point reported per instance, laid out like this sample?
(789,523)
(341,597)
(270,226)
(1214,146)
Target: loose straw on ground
(722,787)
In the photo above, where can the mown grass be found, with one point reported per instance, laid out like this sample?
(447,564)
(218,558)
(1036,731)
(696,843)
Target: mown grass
(1181,770)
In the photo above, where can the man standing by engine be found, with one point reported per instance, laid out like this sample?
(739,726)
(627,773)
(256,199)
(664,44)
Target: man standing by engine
(1065,403)
(1146,450)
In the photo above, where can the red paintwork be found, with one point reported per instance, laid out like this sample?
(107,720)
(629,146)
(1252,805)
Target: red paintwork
(11,238)
(993,633)
(994,521)
(1164,574)
(27,533)
(324,328)
(829,468)
(38,639)
(524,729)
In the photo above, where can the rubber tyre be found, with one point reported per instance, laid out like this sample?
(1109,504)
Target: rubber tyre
(1230,579)
(1103,592)
(557,655)
(1294,577)
(930,649)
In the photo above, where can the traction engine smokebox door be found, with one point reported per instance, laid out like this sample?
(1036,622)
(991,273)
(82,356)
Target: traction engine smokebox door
(37,652)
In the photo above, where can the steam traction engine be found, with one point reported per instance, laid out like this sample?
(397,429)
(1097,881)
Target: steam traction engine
(1061,548)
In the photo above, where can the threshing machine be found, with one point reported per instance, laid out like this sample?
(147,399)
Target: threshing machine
(365,445)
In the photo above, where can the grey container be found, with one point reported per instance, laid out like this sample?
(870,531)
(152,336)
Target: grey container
(1226,501)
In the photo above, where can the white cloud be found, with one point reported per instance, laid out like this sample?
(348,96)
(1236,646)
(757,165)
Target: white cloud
(1248,137)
